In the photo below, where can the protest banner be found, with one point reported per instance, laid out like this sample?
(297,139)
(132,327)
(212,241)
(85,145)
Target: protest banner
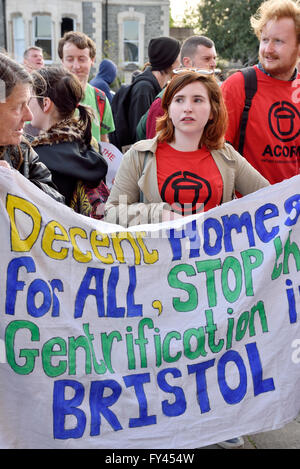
(116,338)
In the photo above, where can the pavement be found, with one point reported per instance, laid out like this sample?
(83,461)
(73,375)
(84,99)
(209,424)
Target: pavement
(287,437)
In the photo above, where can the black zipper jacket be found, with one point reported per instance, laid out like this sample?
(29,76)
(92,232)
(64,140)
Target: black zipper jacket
(62,150)
(24,159)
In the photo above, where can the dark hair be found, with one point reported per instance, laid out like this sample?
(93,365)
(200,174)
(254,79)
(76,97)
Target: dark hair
(12,74)
(214,132)
(65,91)
(80,40)
(189,46)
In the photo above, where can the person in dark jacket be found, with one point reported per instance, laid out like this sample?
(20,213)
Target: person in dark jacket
(105,76)
(15,150)
(164,56)
(64,144)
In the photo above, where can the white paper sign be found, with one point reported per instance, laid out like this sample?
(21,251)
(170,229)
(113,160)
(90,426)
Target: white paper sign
(113,157)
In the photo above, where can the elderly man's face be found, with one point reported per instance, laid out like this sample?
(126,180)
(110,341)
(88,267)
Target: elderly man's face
(13,115)
(34,60)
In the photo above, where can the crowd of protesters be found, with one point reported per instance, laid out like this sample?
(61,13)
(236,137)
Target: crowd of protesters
(180,117)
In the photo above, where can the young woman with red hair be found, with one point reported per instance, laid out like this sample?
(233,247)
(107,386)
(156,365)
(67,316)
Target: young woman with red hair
(188,167)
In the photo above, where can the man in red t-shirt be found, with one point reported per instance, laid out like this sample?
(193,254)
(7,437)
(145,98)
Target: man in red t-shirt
(272,140)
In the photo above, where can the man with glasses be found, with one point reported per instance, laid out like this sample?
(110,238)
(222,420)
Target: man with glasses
(77,53)
(197,52)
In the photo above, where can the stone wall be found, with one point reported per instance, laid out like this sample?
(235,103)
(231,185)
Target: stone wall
(90,17)
(156,24)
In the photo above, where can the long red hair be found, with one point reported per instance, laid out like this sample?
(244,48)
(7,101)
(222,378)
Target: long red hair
(214,132)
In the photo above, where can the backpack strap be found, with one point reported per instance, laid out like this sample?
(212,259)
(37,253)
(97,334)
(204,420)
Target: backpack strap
(250,90)
(101,100)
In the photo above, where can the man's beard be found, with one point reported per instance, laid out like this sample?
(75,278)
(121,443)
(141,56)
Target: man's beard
(277,68)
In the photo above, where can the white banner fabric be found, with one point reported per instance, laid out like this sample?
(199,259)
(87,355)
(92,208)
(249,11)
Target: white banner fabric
(176,335)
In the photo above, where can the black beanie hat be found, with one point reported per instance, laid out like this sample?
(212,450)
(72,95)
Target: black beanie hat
(162,52)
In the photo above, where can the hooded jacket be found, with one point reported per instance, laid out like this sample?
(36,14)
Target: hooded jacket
(105,76)
(143,93)
(62,150)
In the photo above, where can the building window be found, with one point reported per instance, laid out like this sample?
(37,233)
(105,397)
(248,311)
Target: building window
(131,41)
(67,24)
(131,37)
(19,38)
(42,35)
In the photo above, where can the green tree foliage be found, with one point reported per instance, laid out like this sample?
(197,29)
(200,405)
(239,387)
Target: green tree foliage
(227,23)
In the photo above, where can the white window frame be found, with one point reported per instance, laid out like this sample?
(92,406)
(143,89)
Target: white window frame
(35,38)
(132,15)
(133,42)
(19,43)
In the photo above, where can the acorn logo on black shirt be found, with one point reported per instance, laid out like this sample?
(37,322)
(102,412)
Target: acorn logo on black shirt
(181,182)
